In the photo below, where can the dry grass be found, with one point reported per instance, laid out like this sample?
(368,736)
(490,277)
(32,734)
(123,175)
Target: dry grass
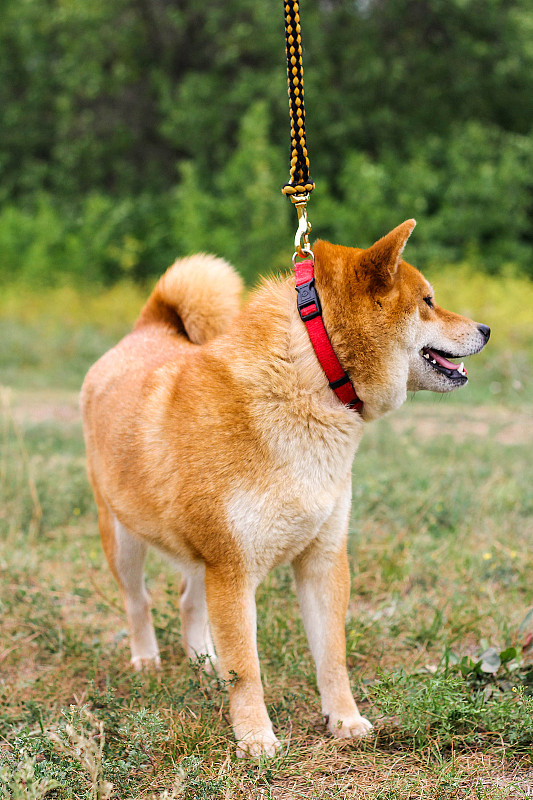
(440,551)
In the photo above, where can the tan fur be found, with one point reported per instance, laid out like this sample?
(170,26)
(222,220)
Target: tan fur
(213,435)
(188,297)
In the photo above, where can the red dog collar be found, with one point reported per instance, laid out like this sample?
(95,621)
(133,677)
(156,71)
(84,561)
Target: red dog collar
(311,313)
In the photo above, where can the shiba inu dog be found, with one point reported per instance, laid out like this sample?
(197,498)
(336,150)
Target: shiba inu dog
(213,434)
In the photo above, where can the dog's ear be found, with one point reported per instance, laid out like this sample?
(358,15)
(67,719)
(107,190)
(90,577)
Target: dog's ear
(382,259)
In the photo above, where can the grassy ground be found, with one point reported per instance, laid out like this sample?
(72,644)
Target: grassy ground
(438,631)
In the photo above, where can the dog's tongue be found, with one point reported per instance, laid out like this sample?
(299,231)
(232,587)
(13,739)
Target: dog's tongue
(444,361)
(441,360)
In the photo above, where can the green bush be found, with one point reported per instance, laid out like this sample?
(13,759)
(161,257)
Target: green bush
(470,196)
(135,133)
(101,240)
(469,193)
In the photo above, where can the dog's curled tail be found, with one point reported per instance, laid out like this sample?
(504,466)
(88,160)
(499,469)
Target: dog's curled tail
(198,296)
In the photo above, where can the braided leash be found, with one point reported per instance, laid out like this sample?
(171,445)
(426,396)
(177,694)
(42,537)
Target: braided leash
(299,181)
(300,184)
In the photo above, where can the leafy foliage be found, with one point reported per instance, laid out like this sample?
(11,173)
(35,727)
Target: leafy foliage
(18,779)
(454,709)
(136,132)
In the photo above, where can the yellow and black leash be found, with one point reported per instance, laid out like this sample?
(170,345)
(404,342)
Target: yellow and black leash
(299,181)
(300,185)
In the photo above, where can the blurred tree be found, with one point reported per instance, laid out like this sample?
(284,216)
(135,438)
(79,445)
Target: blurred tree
(165,112)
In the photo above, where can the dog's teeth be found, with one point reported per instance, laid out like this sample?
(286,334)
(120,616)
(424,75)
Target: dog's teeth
(426,355)
(433,361)
(462,369)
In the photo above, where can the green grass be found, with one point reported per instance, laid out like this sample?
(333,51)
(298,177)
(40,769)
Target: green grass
(440,550)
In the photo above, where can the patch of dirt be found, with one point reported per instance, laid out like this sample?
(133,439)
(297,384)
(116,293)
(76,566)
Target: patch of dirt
(506,426)
(46,406)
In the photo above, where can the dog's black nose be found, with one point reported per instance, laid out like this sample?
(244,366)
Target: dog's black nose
(485,330)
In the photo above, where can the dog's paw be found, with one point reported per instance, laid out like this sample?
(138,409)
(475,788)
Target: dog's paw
(258,744)
(351,726)
(150,663)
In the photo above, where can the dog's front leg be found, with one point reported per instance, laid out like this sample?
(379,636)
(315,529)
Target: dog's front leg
(323,585)
(232,615)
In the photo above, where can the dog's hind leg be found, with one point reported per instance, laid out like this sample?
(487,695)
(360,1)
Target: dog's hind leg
(126,554)
(196,635)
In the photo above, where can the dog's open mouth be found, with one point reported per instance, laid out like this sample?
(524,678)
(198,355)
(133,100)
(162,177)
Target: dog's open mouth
(441,363)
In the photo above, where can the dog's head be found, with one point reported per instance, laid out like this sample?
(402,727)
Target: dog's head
(385,325)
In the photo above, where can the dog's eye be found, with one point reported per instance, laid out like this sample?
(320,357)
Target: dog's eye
(429,300)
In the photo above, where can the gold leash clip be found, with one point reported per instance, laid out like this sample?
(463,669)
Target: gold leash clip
(302,248)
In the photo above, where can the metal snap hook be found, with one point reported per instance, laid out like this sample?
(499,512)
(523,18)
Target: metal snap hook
(301,238)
